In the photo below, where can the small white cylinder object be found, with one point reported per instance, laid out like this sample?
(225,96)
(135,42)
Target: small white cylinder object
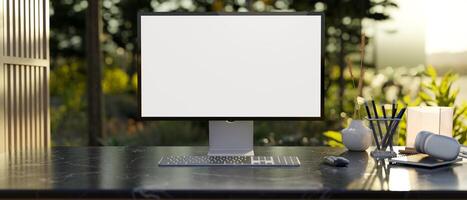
(437,146)
(437,120)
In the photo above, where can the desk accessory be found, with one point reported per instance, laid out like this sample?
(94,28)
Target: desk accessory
(386,129)
(336,161)
(422,160)
(437,146)
(438,120)
(357,137)
(246,161)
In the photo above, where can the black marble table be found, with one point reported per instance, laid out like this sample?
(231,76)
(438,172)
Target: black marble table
(132,172)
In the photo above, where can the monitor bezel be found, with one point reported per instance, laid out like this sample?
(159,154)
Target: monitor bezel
(138,56)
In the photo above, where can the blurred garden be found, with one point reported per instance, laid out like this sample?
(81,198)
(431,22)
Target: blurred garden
(345,19)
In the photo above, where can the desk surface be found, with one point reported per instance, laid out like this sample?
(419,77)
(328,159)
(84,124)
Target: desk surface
(133,172)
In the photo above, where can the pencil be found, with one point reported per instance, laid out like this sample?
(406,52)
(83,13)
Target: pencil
(386,124)
(377,117)
(371,125)
(395,124)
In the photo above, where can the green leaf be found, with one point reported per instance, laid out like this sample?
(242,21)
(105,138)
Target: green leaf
(431,72)
(337,136)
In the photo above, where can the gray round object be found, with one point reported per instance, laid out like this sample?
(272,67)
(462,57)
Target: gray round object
(438,146)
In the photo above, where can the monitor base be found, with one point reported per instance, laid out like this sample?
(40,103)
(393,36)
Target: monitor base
(231,138)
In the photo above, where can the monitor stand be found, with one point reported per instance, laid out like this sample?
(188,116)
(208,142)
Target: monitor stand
(230,138)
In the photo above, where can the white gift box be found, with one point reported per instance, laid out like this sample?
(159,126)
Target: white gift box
(437,120)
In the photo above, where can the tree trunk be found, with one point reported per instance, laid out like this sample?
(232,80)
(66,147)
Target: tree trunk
(94,72)
(341,80)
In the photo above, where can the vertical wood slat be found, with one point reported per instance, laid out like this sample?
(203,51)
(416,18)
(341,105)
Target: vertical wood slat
(14,17)
(16,130)
(7,27)
(36,28)
(26,28)
(45,29)
(26,110)
(41,28)
(33,26)
(9,107)
(35,112)
(20,27)
(46,72)
(20,105)
(39,104)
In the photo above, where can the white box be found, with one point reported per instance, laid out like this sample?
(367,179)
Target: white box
(437,120)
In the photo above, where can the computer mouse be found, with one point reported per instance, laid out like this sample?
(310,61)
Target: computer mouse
(336,161)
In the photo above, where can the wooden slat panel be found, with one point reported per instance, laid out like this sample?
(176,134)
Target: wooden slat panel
(26,107)
(25,31)
(24,65)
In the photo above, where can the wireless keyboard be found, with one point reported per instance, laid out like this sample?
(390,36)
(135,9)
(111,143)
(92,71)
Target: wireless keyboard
(266,161)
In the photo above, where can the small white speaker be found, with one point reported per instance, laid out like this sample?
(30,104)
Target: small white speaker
(437,146)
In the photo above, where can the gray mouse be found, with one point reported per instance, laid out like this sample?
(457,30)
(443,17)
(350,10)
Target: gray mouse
(336,161)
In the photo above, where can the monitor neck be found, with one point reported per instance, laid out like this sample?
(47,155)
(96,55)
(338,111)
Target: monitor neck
(233,138)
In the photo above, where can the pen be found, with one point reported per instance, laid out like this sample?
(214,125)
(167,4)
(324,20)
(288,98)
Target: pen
(371,125)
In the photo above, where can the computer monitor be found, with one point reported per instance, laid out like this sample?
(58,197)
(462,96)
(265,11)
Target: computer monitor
(231,69)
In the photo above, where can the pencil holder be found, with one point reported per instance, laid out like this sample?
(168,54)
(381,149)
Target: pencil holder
(384,128)
(386,133)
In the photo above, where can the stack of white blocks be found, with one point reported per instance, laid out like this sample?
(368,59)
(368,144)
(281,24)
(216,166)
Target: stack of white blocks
(438,120)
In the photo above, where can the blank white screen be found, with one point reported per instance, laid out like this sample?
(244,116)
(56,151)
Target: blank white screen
(231,66)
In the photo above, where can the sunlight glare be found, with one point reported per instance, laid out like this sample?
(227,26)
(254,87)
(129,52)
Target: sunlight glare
(446,29)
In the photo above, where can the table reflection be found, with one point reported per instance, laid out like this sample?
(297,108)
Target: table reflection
(366,173)
(136,168)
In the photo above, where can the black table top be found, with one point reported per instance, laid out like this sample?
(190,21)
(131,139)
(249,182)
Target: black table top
(129,172)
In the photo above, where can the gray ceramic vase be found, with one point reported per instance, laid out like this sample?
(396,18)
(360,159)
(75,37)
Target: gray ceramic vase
(357,137)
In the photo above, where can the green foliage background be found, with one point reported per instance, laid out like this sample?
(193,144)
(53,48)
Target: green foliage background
(68,73)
